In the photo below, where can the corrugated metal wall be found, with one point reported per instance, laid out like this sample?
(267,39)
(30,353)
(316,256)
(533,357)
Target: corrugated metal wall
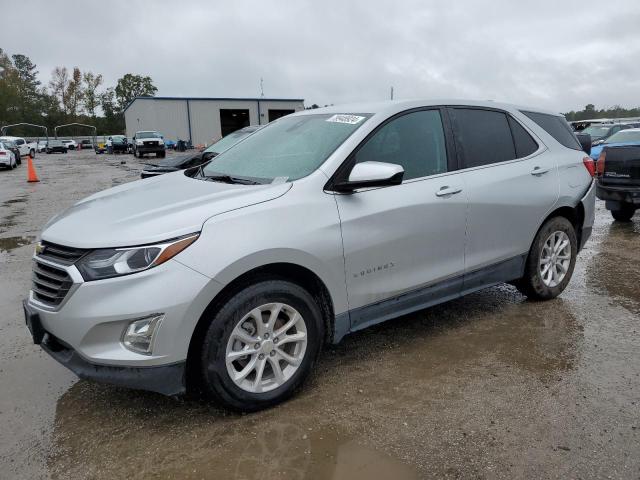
(171,116)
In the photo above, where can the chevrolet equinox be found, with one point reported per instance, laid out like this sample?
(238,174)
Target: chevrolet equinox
(229,277)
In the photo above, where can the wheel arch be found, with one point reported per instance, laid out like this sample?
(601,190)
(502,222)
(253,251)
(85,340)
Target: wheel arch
(292,272)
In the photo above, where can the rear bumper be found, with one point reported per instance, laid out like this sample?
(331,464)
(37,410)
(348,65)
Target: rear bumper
(614,196)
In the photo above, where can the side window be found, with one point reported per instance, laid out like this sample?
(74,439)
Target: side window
(525,144)
(557,127)
(483,136)
(19,141)
(415,140)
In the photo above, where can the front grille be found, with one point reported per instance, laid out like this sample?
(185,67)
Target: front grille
(50,284)
(60,254)
(151,144)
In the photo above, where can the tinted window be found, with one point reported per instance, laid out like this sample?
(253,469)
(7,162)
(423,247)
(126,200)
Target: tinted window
(415,141)
(557,127)
(525,145)
(484,136)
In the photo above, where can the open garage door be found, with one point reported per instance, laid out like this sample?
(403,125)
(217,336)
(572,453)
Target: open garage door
(276,114)
(232,120)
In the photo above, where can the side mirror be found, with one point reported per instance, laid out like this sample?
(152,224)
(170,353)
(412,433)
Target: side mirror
(371,174)
(585,142)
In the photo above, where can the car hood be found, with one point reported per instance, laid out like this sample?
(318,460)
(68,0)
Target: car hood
(151,210)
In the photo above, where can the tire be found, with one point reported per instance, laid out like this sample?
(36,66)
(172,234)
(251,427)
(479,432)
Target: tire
(32,152)
(624,214)
(215,373)
(160,154)
(532,284)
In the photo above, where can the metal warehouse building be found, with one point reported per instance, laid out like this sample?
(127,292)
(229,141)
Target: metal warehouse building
(203,120)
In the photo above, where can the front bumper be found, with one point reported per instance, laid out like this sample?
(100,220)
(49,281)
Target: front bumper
(84,332)
(150,148)
(164,379)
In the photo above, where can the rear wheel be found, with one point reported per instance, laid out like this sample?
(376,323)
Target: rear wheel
(624,214)
(551,260)
(261,346)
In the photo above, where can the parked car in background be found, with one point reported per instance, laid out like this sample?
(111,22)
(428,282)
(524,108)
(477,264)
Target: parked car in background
(630,136)
(322,223)
(56,146)
(7,157)
(85,144)
(600,132)
(41,146)
(70,144)
(25,147)
(145,142)
(169,144)
(117,144)
(618,173)
(11,145)
(196,159)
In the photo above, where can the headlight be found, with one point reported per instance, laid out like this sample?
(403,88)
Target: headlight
(114,262)
(139,142)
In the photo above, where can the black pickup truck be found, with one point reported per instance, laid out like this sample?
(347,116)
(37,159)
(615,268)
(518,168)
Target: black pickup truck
(618,180)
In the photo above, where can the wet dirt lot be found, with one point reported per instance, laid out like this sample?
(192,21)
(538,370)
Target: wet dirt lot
(488,386)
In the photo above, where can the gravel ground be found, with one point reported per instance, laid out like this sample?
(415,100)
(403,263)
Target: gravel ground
(488,386)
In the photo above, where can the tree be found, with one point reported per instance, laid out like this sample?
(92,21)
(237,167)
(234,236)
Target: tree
(131,86)
(74,95)
(28,87)
(90,92)
(59,85)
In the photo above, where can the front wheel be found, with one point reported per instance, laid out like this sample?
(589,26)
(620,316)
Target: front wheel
(551,260)
(261,346)
(623,214)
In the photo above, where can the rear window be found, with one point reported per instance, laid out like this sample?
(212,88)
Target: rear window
(557,127)
(484,136)
(525,145)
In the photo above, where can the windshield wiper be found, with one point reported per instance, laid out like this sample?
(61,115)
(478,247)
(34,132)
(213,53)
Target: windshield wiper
(230,179)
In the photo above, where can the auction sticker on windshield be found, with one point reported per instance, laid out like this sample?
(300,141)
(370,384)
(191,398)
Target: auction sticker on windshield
(341,118)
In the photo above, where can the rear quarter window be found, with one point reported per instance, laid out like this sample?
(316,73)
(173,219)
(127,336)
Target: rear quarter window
(557,127)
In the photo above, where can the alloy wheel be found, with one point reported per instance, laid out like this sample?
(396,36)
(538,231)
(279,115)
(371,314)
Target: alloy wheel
(266,347)
(555,259)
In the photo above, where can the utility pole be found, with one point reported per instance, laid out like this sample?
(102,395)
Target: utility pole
(391,93)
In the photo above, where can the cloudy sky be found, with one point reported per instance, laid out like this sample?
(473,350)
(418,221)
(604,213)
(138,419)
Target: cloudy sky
(554,54)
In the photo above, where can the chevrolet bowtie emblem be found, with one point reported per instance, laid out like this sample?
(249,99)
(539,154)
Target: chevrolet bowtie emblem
(39,248)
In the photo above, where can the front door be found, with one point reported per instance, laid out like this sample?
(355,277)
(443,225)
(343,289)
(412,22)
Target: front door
(406,238)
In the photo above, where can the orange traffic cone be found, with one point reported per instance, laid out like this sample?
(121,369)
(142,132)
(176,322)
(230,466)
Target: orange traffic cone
(31,171)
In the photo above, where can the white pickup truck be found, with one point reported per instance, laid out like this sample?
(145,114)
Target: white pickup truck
(24,147)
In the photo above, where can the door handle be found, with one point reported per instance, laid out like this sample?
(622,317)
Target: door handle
(444,191)
(539,171)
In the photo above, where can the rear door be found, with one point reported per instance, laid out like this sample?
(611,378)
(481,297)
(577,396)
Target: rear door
(511,186)
(404,237)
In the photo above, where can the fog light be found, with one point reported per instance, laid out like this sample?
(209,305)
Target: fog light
(139,334)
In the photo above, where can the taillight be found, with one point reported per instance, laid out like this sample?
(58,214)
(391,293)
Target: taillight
(3,153)
(600,164)
(589,165)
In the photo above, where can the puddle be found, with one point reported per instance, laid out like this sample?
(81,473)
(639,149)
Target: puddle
(11,243)
(14,200)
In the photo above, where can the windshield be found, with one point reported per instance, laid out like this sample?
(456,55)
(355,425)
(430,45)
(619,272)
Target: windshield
(289,148)
(596,131)
(9,143)
(624,136)
(118,139)
(55,143)
(228,141)
(148,135)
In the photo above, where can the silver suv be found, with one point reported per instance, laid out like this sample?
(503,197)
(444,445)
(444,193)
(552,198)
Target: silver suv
(230,277)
